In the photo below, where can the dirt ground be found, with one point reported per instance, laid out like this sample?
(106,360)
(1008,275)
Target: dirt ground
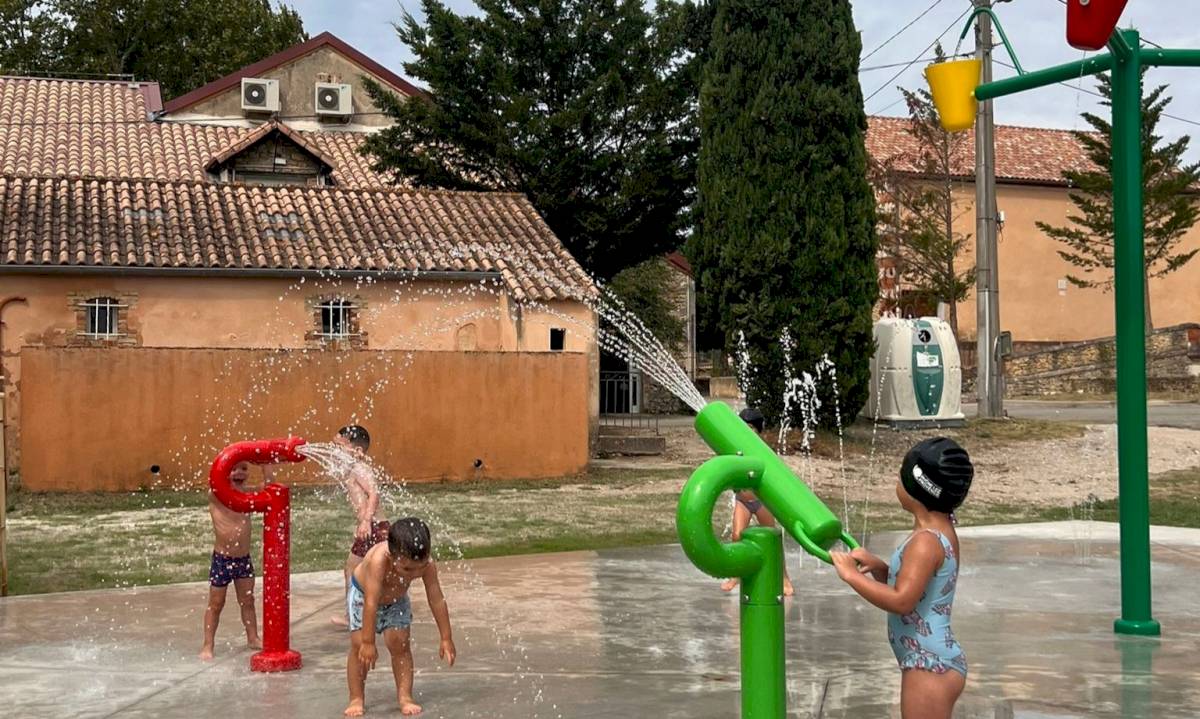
(1015,465)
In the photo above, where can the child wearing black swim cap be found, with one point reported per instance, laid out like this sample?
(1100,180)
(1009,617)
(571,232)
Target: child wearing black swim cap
(916,588)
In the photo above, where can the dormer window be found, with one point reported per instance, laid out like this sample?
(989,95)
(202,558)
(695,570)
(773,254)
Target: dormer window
(272,154)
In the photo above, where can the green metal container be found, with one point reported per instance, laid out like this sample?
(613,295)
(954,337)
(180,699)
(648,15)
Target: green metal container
(794,505)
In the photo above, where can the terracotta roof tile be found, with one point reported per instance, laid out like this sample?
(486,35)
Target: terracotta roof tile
(82,222)
(1023,154)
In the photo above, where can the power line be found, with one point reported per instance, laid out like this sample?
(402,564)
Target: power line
(917,59)
(906,64)
(1093,93)
(901,30)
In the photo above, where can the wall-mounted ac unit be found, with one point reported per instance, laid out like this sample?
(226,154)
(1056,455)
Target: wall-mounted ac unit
(259,95)
(332,99)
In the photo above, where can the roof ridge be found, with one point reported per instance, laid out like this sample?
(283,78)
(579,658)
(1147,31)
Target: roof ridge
(1053,130)
(287,188)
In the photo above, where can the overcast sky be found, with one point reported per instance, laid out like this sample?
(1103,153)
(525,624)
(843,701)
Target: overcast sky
(1037,29)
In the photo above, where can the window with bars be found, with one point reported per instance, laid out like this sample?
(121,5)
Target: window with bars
(102,317)
(338,319)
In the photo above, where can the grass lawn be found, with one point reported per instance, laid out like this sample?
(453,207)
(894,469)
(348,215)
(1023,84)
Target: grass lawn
(60,542)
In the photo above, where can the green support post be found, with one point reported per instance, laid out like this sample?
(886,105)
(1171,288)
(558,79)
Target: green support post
(746,462)
(1125,59)
(758,560)
(1129,288)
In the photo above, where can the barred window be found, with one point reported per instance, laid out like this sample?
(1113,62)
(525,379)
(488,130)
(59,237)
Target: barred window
(102,317)
(337,319)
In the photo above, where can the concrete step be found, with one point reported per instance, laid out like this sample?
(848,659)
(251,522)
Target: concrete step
(644,445)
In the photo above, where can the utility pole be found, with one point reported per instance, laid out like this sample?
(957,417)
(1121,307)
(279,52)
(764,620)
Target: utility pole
(987,286)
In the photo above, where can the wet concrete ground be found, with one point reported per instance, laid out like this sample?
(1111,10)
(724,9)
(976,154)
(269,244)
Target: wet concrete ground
(635,633)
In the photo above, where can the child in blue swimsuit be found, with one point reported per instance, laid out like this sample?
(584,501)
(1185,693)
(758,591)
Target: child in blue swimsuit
(916,588)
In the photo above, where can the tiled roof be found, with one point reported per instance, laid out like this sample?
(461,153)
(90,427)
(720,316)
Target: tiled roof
(157,150)
(29,101)
(1023,154)
(91,222)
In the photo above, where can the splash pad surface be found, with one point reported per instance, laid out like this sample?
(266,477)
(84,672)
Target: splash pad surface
(600,639)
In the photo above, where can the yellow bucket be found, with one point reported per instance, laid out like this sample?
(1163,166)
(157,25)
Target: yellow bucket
(952,85)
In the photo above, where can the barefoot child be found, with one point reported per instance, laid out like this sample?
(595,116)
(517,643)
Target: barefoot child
(378,603)
(747,506)
(917,587)
(370,528)
(230,563)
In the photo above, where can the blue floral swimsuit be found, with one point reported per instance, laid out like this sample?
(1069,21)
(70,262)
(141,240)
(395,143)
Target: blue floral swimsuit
(922,639)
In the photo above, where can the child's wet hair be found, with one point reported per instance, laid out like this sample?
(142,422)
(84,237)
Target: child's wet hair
(356,435)
(409,537)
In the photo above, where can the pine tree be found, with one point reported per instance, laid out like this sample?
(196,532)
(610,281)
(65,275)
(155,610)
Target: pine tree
(786,237)
(918,228)
(1170,208)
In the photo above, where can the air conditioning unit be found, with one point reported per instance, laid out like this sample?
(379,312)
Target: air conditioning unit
(259,95)
(332,99)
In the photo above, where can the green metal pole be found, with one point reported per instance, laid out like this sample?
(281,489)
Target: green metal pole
(1129,279)
(757,558)
(764,679)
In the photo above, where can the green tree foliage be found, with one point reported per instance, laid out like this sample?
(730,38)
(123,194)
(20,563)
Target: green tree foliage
(643,290)
(582,105)
(786,236)
(917,222)
(182,44)
(1168,190)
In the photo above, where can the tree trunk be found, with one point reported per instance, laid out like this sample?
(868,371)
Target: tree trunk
(1146,299)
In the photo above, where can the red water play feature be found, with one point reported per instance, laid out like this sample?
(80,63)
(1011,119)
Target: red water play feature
(1091,22)
(274,501)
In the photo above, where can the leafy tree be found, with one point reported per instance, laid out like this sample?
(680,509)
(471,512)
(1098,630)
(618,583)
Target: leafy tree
(643,290)
(1168,184)
(30,37)
(582,105)
(786,237)
(918,227)
(182,44)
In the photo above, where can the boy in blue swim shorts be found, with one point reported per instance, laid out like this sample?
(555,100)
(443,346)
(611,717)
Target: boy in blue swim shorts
(230,565)
(377,602)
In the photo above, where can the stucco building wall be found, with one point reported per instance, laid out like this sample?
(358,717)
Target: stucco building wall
(124,419)
(1037,304)
(279,314)
(297,95)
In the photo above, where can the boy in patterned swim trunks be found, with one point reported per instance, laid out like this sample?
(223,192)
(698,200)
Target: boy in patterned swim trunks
(363,492)
(377,602)
(230,563)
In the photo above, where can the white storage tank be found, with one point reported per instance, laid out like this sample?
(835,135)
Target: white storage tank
(916,374)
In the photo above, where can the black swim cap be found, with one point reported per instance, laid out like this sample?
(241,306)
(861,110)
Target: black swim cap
(754,418)
(937,473)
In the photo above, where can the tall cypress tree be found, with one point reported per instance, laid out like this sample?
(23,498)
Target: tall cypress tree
(786,218)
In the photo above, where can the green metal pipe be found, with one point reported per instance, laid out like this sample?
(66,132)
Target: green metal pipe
(693,517)
(1000,28)
(1129,288)
(793,504)
(764,658)
(1171,58)
(1041,78)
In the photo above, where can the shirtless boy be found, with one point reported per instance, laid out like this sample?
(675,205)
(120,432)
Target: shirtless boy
(363,492)
(378,603)
(230,563)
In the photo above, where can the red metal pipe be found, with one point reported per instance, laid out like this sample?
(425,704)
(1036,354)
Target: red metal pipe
(275,502)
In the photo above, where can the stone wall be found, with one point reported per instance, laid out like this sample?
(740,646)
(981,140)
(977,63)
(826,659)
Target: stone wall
(1172,365)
